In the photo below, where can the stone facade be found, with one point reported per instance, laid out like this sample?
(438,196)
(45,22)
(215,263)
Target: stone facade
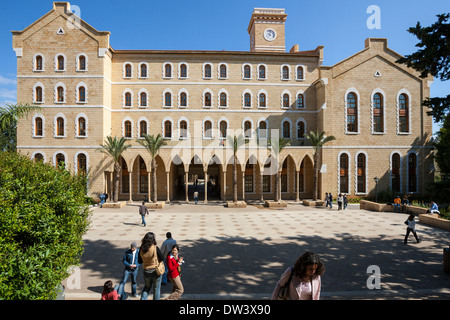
(88,91)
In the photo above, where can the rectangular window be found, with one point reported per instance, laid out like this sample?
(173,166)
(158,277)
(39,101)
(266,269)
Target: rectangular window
(266,183)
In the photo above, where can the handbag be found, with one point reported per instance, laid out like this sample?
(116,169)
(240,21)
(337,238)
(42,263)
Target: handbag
(160,268)
(284,291)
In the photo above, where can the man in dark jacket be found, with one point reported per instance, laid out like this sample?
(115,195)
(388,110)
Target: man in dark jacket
(130,260)
(143,210)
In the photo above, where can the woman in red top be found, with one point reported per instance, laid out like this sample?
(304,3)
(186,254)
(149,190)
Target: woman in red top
(173,264)
(108,291)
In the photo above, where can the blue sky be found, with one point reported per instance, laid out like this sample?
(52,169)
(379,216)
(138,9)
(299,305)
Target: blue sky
(340,26)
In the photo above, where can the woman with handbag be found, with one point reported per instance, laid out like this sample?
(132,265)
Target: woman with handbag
(301,282)
(151,257)
(173,265)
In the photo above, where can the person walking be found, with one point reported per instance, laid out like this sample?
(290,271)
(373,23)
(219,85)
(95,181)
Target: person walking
(330,199)
(196,196)
(411,227)
(303,280)
(102,199)
(345,201)
(173,264)
(166,247)
(327,200)
(339,201)
(143,210)
(149,256)
(130,260)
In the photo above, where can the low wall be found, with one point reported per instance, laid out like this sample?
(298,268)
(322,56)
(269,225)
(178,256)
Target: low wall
(374,206)
(434,220)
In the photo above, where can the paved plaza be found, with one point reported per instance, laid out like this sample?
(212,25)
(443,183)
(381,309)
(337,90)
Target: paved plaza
(235,253)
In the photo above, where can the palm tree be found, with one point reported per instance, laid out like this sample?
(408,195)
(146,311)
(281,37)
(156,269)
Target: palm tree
(278,145)
(317,140)
(114,147)
(235,143)
(9,115)
(153,144)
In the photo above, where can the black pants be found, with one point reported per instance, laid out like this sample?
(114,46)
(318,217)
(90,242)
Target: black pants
(408,230)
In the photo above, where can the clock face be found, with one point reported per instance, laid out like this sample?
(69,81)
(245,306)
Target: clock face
(269,34)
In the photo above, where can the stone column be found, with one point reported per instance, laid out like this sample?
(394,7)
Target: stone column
(149,175)
(297,198)
(168,186)
(206,187)
(186,185)
(261,186)
(224,191)
(130,179)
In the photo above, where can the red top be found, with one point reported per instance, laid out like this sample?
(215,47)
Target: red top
(110,296)
(172,266)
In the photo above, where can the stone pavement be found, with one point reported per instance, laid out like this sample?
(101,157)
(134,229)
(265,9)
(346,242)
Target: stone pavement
(241,253)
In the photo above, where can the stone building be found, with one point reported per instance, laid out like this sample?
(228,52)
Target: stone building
(195,99)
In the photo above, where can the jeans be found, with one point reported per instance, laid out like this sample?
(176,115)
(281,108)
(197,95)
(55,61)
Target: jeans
(151,279)
(396,206)
(126,273)
(143,220)
(164,276)
(408,230)
(196,200)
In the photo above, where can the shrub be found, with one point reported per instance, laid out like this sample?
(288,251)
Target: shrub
(43,217)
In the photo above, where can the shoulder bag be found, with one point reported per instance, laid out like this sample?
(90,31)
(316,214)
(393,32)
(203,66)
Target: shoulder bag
(284,291)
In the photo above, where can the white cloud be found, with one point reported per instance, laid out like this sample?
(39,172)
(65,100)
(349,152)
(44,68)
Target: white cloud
(8,94)
(6,81)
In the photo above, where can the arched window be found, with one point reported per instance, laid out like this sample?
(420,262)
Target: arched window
(352,112)
(82,63)
(168,70)
(128,99)
(300,101)
(81,94)
(247,129)
(38,157)
(60,126)
(262,100)
(343,173)
(39,66)
(81,127)
(143,99)
(285,73)
(207,129)
(60,160)
(223,99)
(38,94)
(208,73)
(168,99)
(142,128)
(38,127)
(61,64)
(223,126)
(208,99)
(300,130)
(128,129)
(143,70)
(378,106)
(167,129)
(396,173)
(82,163)
(262,72)
(286,102)
(247,72)
(403,113)
(247,100)
(183,129)
(412,172)
(262,130)
(183,99)
(128,70)
(223,71)
(286,130)
(183,71)
(300,75)
(60,93)
(361,172)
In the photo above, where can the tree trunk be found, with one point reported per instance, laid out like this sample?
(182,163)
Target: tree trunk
(316,176)
(117,170)
(277,187)
(235,193)
(155,194)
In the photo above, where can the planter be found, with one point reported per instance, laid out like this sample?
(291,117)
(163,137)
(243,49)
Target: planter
(312,203)
(238,204)
(434,220)
(275,204)
(155,205)
(114,205)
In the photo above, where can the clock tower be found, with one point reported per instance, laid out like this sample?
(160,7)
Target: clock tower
(266,30)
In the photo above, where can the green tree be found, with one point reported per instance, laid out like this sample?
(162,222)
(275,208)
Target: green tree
(114,147)
(317,139)
(442,146)
(433,58)
(235,143)
(153,144)
(9,115)
(43,216)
